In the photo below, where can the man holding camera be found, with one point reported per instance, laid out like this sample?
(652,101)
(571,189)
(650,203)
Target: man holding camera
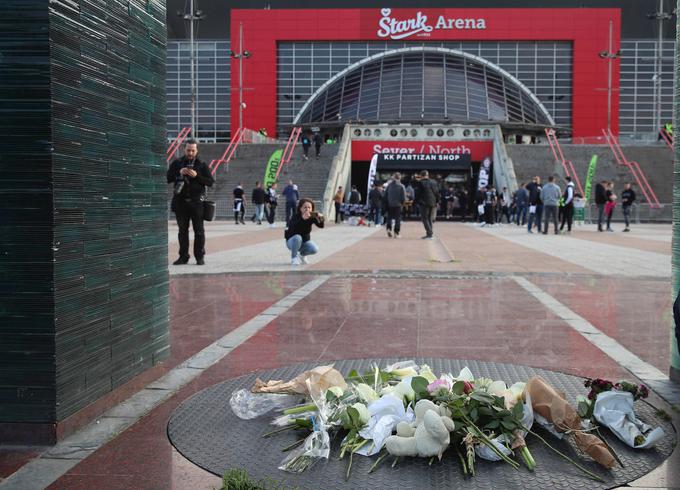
(190,177)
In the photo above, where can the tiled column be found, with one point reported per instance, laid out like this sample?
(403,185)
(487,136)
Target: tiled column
(83,225)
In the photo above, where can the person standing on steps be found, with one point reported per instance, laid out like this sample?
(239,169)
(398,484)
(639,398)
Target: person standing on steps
(290,192)
(272,203)
(190,177)
(627,200)
(239,204)
(258,199)
(306,143)
(318,141)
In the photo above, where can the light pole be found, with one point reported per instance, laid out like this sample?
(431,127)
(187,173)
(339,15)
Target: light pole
(240,55)
(610,55)
(660,16)
(193,16)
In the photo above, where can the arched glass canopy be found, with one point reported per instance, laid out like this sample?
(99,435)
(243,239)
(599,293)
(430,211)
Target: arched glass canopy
(424,84)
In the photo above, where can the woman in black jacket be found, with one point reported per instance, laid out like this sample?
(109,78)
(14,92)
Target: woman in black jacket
(299,230)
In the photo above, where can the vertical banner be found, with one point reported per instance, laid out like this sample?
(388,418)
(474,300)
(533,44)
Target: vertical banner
(485,174)
(371,173)
(272,168)
(590,177)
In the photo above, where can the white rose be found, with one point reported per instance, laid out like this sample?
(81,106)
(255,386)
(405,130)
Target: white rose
(363,412)
(366,393)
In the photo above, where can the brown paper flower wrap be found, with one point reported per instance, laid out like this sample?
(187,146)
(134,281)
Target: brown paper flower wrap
(320,379)
(552,406)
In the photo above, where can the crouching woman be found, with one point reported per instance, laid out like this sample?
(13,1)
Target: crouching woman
(299,230)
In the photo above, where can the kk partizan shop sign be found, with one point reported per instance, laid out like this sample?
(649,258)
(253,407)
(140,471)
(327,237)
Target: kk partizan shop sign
(421,26)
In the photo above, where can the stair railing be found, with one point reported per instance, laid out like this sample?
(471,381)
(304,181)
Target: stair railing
(567,165)
(229,152)
(176,143)
(634,168)
(290,145)
(667,138)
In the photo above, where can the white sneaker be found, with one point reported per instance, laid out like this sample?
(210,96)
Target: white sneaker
(303,259)
(296,261)
(272,225)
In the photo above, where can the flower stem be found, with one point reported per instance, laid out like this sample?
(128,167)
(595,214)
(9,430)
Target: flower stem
(394,463)
(611,449)
(310,407)
(589,473)
(462,462)
(279,430)
(378,461)
(528,458)
(293,446)
(479,434)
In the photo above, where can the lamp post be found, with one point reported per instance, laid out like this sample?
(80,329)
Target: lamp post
(659,16)
(240,55)
(193,16)
(610,55)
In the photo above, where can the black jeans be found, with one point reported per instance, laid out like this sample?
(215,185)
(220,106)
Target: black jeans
(626,215)
(428,215)
(567,216)
(272,213)
(290,210)
(338,213)
(184,213)
(600,216)
(394,213)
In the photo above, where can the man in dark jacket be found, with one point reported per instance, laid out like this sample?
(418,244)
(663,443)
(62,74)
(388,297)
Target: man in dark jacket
(535,203)
(375,199)
(627,199)
(600,200)
(290,192)
(190,177)
(258,199)
(395,195)
(428,197)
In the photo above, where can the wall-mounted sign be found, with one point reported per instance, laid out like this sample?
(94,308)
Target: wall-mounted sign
(429,161)
(419,25)
(477,150)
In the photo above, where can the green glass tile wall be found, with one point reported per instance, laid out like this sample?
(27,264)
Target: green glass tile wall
(101,227)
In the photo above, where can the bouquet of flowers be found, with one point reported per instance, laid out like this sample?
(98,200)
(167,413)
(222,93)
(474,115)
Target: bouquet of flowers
(405,410)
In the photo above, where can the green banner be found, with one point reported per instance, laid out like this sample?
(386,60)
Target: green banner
(272,167)
(591,176)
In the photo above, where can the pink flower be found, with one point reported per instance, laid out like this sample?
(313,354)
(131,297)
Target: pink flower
(439,384)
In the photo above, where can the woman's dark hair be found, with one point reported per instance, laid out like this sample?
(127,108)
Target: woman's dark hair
(302,201)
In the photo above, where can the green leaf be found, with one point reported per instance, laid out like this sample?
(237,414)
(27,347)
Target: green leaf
(458,387)
(485,411)
(480,396)
(508,424)
(494,424)
(355,418)
(419,385)
(518,410)
(474,414)
(582,409)
(353,374)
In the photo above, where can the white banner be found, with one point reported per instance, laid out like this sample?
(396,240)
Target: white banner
(371,174)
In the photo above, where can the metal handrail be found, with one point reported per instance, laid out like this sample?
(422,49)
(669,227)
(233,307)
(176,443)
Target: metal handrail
(232,145)
(176,143)
(292,141)
(667,138)
(634,168)
(566,164)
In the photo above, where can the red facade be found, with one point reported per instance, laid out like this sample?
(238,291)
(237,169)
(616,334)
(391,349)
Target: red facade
(587,30)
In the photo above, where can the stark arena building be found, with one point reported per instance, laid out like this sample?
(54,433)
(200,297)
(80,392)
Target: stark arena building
(576,65)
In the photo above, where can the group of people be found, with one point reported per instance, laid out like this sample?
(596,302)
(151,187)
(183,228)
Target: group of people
(606,201)
(265,201)
(387,202)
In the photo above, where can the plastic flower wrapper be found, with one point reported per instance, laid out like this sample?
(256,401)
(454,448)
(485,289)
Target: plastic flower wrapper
(426,372)
(317,445)
(247,405)
(403,369)
(385,413)
(514,440)
(614,409)
(465,375)
(317,379)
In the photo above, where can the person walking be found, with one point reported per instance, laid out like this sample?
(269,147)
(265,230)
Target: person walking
(337,202)
(306,143)
(375,199)
(298,233)
(290,192)
(396,197)
(506,201)
(535,204)
(568,208)
(318,141)
(522,202)
(610,204)
(550,196)
(489,205)
(272,203)
(190,176)
(258,199)
(239,204)
(428,198)
(627,200)
(600,201)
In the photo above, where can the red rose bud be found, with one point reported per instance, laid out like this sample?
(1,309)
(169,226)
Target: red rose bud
(467,387)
